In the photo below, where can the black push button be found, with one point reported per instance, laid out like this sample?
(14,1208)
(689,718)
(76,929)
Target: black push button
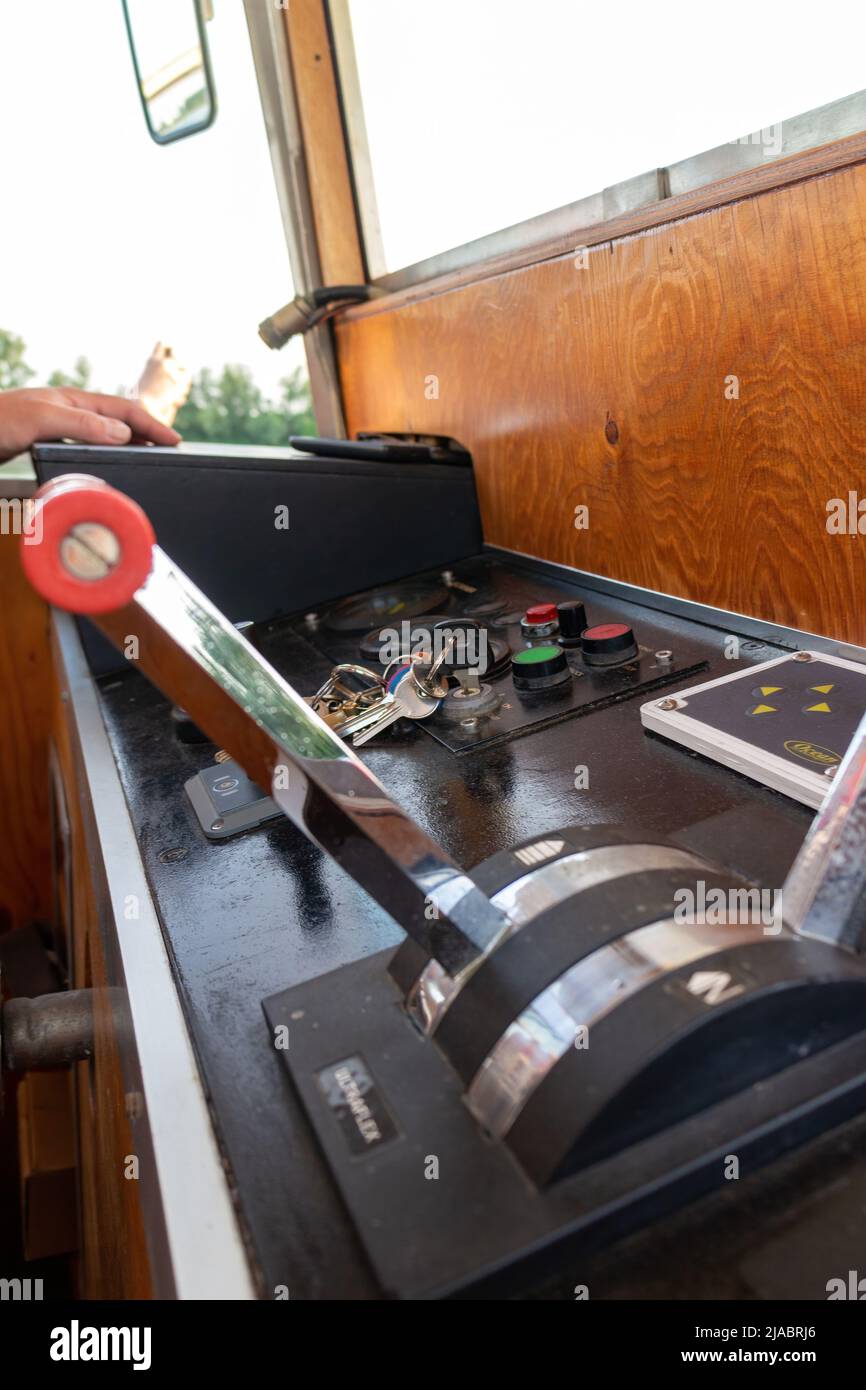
(572,621)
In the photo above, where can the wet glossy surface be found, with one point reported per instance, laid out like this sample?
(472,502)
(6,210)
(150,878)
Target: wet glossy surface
(201,661)
(248,917)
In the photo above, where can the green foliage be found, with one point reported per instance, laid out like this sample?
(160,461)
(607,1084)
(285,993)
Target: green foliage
(223,408)
(79,376)
(14,371)
(296,403)
(186,113)
(231,409)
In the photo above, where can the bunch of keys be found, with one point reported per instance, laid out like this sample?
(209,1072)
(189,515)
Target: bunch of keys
(412,687)
(403,698)
(360,713)
(339,703)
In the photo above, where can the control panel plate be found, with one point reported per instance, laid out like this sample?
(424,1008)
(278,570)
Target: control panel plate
(785,723)
(497,601)
(587,691)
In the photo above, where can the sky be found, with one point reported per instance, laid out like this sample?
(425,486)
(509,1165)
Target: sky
(109,242)
(479,113)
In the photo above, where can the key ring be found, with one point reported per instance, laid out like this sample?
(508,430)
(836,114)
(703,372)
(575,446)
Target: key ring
(423,684)
(334,686)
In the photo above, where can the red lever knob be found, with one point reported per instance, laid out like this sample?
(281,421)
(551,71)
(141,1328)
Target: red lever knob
(89,547)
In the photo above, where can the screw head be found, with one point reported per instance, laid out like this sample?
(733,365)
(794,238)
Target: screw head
(831,771)
(803,656)
(173,856)
(89,550)
(672,704)
(664,657)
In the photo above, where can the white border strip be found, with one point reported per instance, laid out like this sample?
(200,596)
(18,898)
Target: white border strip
(772,771)
(206,1249)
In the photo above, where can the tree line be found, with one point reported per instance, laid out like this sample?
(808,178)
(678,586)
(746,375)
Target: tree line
(223,407)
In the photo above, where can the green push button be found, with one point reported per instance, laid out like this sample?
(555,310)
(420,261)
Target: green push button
(533,655)
(538,668)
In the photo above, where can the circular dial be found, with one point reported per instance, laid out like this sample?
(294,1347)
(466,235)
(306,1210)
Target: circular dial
(381,606)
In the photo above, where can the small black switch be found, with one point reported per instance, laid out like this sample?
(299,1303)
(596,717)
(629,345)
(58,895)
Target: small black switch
(572,621)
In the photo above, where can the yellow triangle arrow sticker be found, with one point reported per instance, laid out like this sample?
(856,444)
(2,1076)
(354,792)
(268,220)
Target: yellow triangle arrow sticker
(823,689)
(763,709)
(822,708)
(770,689)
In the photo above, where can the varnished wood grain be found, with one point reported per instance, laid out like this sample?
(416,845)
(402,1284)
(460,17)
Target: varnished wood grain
(324,143)
(604,386)
(25,882)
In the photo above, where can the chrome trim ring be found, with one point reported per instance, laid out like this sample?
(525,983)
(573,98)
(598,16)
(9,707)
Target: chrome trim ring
(534,892)
(533,1044)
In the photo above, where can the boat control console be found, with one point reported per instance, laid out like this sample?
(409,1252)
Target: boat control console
(498,911)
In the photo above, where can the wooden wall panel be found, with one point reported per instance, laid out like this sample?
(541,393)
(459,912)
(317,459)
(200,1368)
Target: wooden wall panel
(605,386)
(25,663)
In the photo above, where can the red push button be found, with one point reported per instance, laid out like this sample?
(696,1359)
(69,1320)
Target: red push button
(541,613)
(603,631)
(607,644)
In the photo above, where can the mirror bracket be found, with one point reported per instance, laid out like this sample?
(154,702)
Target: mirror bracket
(305,311)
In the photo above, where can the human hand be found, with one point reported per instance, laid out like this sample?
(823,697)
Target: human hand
(31,414)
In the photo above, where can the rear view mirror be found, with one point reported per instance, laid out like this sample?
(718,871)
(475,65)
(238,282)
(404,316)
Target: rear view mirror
(172,66)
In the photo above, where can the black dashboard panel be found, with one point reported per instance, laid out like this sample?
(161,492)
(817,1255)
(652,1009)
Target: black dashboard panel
(255,915)
(246,524)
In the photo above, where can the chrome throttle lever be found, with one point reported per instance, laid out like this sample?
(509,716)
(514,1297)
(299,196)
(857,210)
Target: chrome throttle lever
(824,895)
(97,555)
